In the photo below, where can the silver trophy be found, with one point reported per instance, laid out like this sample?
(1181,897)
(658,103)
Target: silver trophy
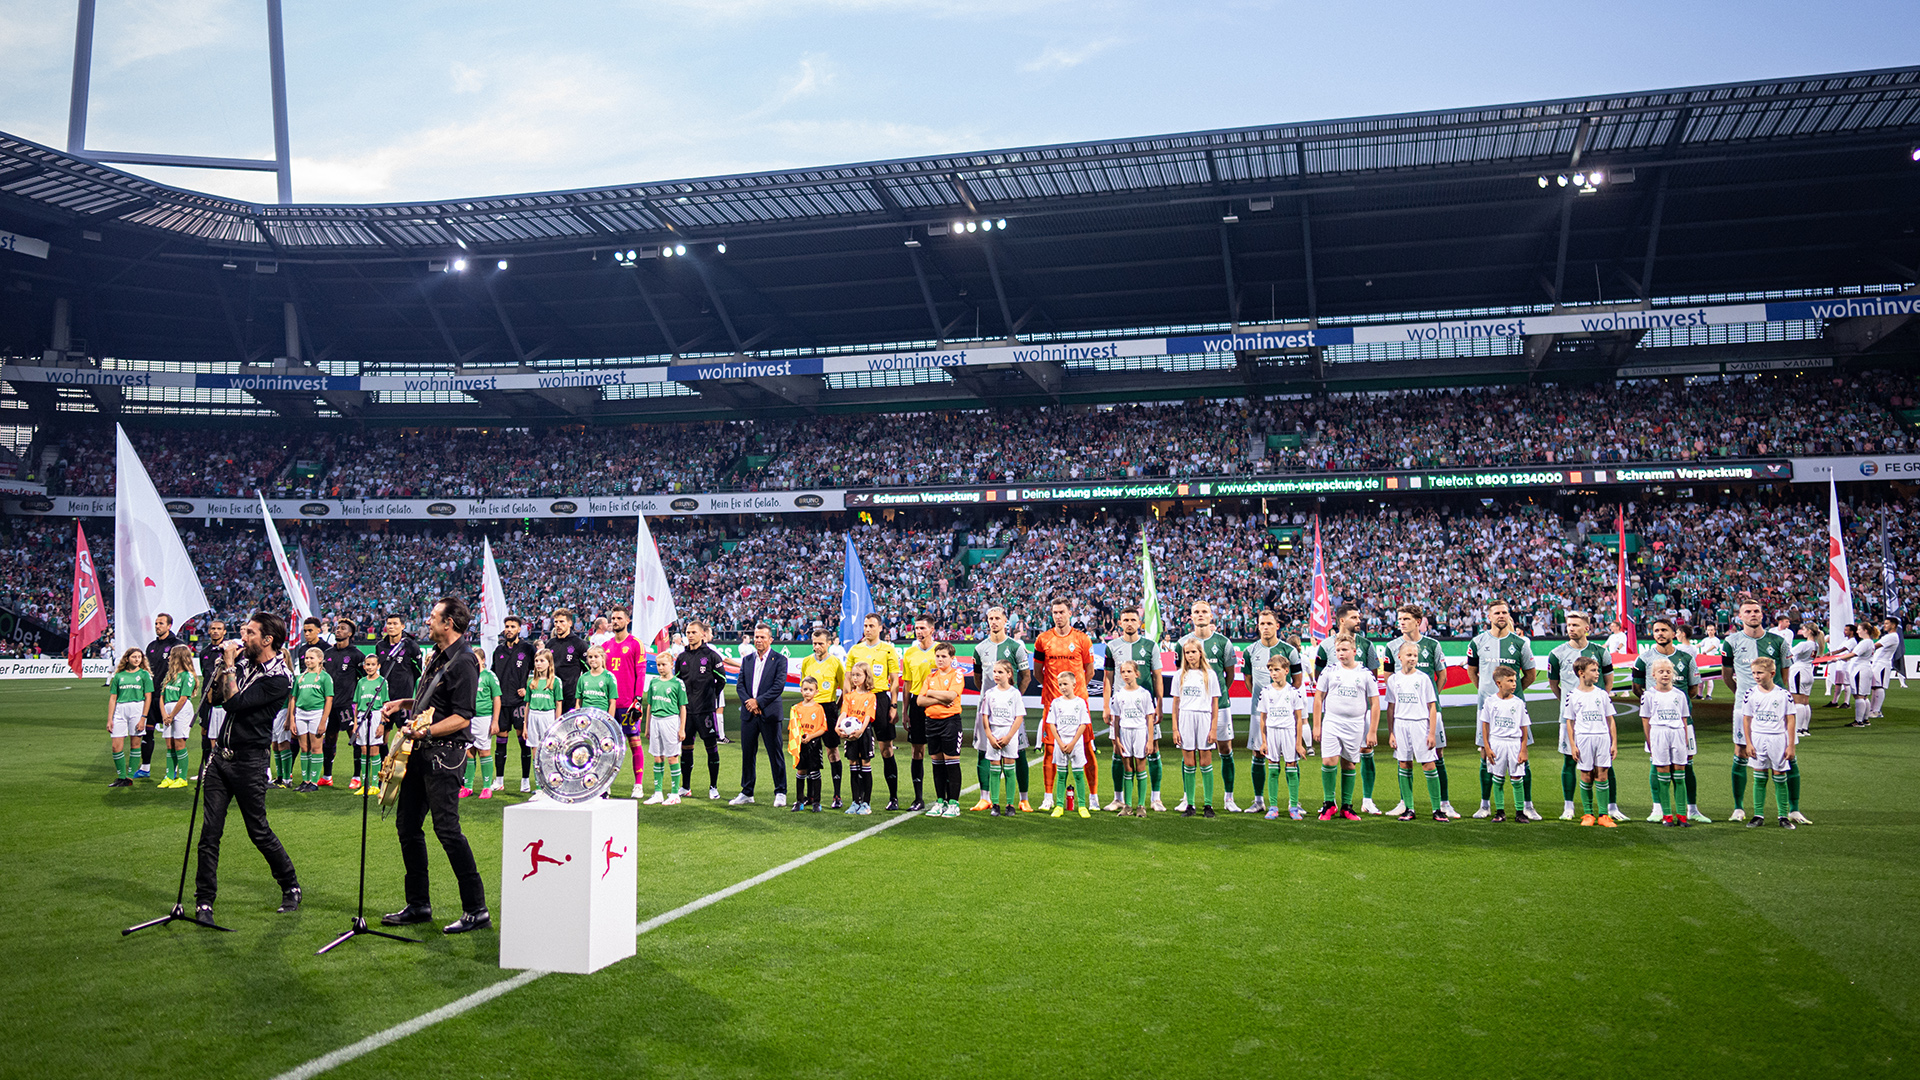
(580,756)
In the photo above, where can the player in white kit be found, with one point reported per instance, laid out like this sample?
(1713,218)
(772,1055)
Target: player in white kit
(1763,715)
(1503,742)
(1665,714)
(1416,730)
(1800,676)
(1130,709)
(1346,721)
(1586,721)
(1003,721)
(1196,690)
(1886,651)
(1277,717)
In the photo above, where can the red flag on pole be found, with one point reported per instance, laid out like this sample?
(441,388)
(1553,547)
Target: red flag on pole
(89,617)
(1320,615)
(1623,610)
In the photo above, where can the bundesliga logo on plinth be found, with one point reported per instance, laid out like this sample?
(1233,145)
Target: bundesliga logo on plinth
(580,757)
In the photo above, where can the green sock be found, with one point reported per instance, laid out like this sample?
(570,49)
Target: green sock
(1486,781)
(1153,770)
(1206,783)
(1119,774)
(372,767)
(659,777)
(1346,785)
(1259,771)
(1661,784)
(1274,769)
(1781,798)
(1293,785)
(120,764)
(983,771)
(1366,774)
(1060,785)
(1526,788)
(171,767)
(1329,783)
(1186,781)
(466,777)
(1226,775)
(1406,784)
(1760,793)
(1519,785)
(1433,788)
(1793,785)
(186,763)
(1440,770)
(1080,787)
(673,776)
(1586,795)
(1123,788)
(486,772)
(1740,783)
(1500,793)
(1568,777)
(1693,786)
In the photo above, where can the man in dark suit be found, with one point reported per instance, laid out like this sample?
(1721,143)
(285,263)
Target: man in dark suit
(763,678)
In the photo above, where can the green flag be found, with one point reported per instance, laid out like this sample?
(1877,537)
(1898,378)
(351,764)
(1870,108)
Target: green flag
(1149,594)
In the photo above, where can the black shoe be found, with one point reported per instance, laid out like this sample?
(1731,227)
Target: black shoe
(1787,823)
(1440,816)
(837,804)
(472,920)
(1860,723)
(1680,822)
(813,808)
(798,805)
(1756,821)
(1520,817)
(203,914)
(289,900)
(1409,815)
(993,811)
(407,916)
(893,804)
(1499,815)
(121,782)
(917,805)
(1189,811)
(1207,810)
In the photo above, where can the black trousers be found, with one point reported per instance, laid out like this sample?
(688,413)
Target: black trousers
(240,781)
(432,785)
(755,729)
(339,721)
(700,727)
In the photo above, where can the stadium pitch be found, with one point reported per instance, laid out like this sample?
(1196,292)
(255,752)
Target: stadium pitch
(982,947)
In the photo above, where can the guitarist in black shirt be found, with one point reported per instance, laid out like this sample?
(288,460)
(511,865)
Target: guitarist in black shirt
(439,728)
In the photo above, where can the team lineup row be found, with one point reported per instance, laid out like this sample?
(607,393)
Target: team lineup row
(857,701)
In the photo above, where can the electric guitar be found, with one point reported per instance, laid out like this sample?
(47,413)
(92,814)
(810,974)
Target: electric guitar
(395,769)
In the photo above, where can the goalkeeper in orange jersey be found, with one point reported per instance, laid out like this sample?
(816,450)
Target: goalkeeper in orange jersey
(1061,648)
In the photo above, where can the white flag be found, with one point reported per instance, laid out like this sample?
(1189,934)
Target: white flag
(296,589)
(493,599)
(151,572)
(653,609)
(1839,582)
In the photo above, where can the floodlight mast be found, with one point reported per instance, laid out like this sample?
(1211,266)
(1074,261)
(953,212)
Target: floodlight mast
(281,165)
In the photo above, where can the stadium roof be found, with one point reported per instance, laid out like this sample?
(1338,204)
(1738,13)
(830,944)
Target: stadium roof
(1737,189)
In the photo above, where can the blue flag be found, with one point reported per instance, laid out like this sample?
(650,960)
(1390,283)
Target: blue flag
(856,600)
(305,576)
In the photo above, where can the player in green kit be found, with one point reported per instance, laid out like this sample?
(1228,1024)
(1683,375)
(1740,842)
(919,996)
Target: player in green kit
(369,694)
(1686,680)
(997,647)
(1346,623)
(1432,663)
(1134,646)
(1222,658)
(176,714)
(1254,660)
(597,689)
(1562,681)
(1742,647)
(307,709)
(1491,649)
(130,691)
(484,726)
(666,709)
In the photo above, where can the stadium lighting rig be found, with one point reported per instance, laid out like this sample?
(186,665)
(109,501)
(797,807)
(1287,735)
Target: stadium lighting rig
(983,225)
(1586,183)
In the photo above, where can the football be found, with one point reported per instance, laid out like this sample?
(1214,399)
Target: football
(847,727)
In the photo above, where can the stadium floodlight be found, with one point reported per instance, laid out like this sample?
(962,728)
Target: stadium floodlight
(959,226)
(632,254)
(1579,179)
(459,265)
(1561,180)
(501,265)
(1543,181)
(721,247)
(679,249)
(972,226)
(1596,177)
(1914,153)
(1001,224)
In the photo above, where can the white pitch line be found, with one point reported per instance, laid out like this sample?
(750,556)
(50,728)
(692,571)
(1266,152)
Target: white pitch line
(480,997)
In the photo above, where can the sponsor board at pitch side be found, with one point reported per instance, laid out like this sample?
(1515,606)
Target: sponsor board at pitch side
(1817,470)
(765,502)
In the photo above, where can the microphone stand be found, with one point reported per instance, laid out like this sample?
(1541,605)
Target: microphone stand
(179,912)
(359,927)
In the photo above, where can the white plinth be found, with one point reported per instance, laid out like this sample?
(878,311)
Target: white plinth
(577,912)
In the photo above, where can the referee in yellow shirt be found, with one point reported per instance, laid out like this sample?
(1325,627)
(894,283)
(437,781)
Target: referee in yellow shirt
(884,660)
(830,675)
(917,663)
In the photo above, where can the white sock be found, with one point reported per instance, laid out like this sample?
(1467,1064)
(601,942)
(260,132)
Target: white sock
(1805,713)
(1879,699)
(1859,708)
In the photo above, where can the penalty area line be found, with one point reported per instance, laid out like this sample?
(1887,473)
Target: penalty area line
(479,997)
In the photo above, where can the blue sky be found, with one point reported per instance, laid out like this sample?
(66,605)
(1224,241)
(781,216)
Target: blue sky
(430,99)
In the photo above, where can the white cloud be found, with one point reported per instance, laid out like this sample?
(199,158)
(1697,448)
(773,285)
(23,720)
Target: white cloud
(146,29)
(1059,58)
(467,79)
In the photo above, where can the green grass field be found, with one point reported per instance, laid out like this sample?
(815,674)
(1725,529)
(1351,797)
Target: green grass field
(983,947)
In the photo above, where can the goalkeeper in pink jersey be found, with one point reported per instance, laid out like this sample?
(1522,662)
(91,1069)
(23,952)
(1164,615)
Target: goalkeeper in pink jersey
(627,661)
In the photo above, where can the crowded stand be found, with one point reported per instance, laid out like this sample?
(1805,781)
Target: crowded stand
(1693,560)
(1667,420)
